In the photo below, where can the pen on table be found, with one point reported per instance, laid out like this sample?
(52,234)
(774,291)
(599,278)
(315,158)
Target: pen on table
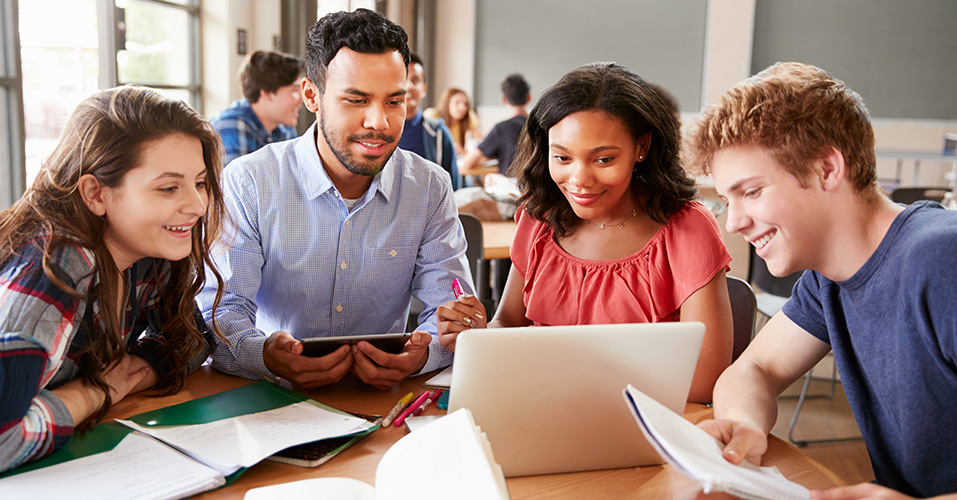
(432,398)
(396,409)
(408,409)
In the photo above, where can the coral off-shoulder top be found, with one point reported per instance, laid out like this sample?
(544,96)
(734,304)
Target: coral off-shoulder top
(648,286)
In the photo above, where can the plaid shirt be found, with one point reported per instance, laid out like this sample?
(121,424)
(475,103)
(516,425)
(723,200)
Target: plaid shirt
(42,329)
(243,133)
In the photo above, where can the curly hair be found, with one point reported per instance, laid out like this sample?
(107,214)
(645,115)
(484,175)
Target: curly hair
(659,180)
(363,31)
(796,112)
(105,137)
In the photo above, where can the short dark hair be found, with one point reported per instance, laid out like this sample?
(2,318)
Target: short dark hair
(268,70)
(363,31)
(516,90)
(659,179)
(415,59)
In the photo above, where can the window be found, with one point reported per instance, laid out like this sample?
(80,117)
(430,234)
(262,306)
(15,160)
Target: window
(67,54)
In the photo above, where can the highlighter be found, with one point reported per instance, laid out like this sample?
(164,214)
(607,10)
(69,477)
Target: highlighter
(396,409)
(432,399)
(457,288)
(408,410)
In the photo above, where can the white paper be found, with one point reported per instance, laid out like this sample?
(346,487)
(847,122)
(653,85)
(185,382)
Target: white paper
(139,467)
(337,488)
(248,439)
(416,423)
(697,454)
(441,380)
(456,454)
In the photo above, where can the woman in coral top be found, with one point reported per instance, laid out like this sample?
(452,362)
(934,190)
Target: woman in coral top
(609,232)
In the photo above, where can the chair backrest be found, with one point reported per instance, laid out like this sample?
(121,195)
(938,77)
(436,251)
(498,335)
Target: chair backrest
(474,239)
(910,194)
(744,307)
(760,277)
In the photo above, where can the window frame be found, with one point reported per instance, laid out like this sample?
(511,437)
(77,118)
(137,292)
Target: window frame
(109,49)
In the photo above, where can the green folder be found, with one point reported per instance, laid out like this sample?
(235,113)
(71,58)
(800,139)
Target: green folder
(252,398)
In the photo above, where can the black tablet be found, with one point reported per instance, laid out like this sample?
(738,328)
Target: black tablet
(388,342)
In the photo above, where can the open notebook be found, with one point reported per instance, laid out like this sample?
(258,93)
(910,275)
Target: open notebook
(452,451)
(549,398)
(698,455)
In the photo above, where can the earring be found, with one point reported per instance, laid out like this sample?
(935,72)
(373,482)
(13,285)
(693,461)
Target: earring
(641,157)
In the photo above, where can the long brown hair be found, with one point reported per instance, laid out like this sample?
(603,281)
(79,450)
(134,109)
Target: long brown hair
(105,137)
(446,114)
(659,180)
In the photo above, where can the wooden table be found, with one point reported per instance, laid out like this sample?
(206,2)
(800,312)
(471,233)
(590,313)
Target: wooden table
(360,460)
(497,238)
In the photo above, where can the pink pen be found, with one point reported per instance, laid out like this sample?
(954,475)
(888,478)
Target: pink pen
(408,409)
(457,288)
(433,398)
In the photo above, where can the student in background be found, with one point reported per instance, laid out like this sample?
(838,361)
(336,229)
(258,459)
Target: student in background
(501,141)
(426,137)
(270,109)
(456,111)
(337,230)
(608,231)
(791,151)
(101,260)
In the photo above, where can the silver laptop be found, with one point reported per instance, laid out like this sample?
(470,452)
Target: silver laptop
(549,398)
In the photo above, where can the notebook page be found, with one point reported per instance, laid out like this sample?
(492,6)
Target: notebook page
(139,467)
(247,439)
(698,455)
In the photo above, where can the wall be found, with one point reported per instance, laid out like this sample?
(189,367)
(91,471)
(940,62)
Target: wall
(726,59)
(454,54)
(220,21)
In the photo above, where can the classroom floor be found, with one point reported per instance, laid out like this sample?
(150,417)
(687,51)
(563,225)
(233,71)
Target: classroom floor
(821,418)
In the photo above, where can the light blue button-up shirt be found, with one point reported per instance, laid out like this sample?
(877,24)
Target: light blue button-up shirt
(300,261)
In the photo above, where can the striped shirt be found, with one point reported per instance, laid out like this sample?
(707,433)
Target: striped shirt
(42,329)
(243,133)
(300,261)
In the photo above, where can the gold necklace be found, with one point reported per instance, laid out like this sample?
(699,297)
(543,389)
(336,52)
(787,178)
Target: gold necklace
(621,224)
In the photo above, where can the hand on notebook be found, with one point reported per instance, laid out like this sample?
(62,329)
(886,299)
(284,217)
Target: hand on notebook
(742,440)
(459,315)
(383,370)
(282,355)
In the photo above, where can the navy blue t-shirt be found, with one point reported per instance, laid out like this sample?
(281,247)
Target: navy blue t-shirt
(501,141)
(893,330)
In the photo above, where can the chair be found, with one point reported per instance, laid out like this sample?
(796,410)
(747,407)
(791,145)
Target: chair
(772,292)
(744,307)
(908,195)
(475,254)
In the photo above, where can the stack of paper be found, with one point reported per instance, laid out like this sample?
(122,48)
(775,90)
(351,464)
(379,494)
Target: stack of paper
(698,455)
